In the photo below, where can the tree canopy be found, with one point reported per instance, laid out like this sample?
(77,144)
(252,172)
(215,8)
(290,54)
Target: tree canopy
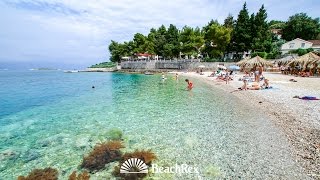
(301,26)
(246,33)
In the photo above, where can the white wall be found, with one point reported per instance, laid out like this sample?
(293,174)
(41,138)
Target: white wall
(316,48)
(295,44)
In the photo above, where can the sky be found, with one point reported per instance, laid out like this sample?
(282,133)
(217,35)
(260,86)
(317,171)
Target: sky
(76,33)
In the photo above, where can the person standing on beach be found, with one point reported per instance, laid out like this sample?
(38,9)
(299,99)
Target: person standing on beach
(227,76)
(190,84)
(177,77)
(256,74)
(260,70)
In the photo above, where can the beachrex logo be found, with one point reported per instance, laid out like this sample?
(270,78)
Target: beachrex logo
(134,165)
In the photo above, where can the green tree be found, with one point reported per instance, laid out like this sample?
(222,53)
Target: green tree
(261,35)
(116,51)
(276,24)
(172,47)
(191,40)
(301,26)
(139,41)
(241,37)
(217,37)
(151,41)
(128,48)
(229,22)
(160,40)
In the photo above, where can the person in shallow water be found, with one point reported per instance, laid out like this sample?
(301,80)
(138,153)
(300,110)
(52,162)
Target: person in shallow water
(163,77)
(190,84)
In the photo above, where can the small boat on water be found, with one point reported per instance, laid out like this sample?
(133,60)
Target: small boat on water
(148,73)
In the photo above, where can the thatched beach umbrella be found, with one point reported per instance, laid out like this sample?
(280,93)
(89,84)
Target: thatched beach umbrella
(254,62)
(305,60)
(285,60)
(242,61)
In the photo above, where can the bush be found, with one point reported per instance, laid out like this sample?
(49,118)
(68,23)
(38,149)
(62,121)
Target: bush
(104,65)
(261,54)
(301,52)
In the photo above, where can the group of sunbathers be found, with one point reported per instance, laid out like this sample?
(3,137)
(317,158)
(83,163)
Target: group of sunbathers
(225,75)
(255,85)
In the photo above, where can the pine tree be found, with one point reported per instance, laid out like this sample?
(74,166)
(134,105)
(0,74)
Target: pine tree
(261,35)
(241,36)
(229,22)
(172,47)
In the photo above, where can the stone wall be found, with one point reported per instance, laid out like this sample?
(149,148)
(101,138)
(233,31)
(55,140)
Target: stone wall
(174,65)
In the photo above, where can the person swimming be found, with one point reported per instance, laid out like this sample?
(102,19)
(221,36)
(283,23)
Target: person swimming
(190,84)
(163,78)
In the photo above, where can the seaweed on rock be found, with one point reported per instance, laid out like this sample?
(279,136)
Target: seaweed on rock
(101,155)
(82,176)
(41,174)
(147,156)
(127,176)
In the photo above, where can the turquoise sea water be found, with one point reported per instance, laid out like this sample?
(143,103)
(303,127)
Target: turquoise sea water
(52,119)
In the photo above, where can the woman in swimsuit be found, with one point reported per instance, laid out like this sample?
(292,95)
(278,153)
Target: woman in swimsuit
(190,84)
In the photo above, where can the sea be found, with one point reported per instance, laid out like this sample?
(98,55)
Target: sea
(53,119)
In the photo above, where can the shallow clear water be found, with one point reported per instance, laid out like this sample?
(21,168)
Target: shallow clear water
(51,118)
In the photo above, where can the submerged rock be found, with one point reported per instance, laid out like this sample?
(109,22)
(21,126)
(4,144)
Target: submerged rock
(31,155)
(8,154)
(82,143)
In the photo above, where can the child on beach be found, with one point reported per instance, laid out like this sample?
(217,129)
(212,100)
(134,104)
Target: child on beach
(190,84)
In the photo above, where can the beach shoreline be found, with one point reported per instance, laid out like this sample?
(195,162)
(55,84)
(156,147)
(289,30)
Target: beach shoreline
(299,120)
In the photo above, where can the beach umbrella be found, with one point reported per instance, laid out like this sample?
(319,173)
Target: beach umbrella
(285,60)
(201,66)
(234,67)
(307,59)
(242,61)
(255,61)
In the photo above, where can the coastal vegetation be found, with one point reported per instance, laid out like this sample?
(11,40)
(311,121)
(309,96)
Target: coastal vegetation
(301,52)
(104,65)
(246,32)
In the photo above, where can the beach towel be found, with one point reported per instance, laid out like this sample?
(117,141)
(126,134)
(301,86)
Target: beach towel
(307,98)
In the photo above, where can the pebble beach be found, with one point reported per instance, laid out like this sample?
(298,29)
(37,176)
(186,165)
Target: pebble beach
(298,120)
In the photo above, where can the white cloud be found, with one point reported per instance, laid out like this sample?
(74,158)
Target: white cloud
(75,30)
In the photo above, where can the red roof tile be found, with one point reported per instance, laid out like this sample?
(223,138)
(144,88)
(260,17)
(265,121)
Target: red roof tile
(315,42)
